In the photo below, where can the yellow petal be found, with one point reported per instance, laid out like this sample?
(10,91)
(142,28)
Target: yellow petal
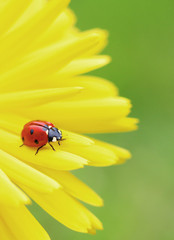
(20,172)
(95,222)
(14,124)
(10,195)
(75,139)
(68,156)
(92,231)
(22,224)
(93,87)
(8,16)
(101,44)
(22,39)
(61,25)
(125,124)
(81,111)
(96,155)
(74,186)
(6,234)
(46,61)
(59,159)
(104,126)
(35,97)
(121,153)
(35,6)
(63,208)
(83,65)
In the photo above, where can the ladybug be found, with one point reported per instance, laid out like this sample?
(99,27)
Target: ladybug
(38,133)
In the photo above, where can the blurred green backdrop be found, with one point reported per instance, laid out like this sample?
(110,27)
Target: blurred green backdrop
(139,195)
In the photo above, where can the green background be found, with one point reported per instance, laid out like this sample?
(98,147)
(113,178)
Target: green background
(139,195)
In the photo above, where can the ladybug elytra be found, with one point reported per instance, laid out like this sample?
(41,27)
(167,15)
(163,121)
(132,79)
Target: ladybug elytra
(38,133)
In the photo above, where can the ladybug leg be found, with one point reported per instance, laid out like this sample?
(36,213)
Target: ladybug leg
(52,146)
(21,145)
(62,139)
(39,149)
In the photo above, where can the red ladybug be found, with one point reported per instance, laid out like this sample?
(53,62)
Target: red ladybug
(38,133)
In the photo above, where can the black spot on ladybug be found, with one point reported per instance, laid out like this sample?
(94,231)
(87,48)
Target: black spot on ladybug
(23,139)
(31,131)
(36,141)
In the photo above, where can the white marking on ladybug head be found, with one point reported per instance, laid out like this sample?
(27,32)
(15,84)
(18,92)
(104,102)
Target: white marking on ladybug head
(47,132)
(50,126)
(54,139)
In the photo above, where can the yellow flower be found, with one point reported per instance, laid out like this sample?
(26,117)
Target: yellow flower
(43,57)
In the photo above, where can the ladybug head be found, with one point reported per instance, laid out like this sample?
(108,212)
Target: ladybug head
(54,134)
